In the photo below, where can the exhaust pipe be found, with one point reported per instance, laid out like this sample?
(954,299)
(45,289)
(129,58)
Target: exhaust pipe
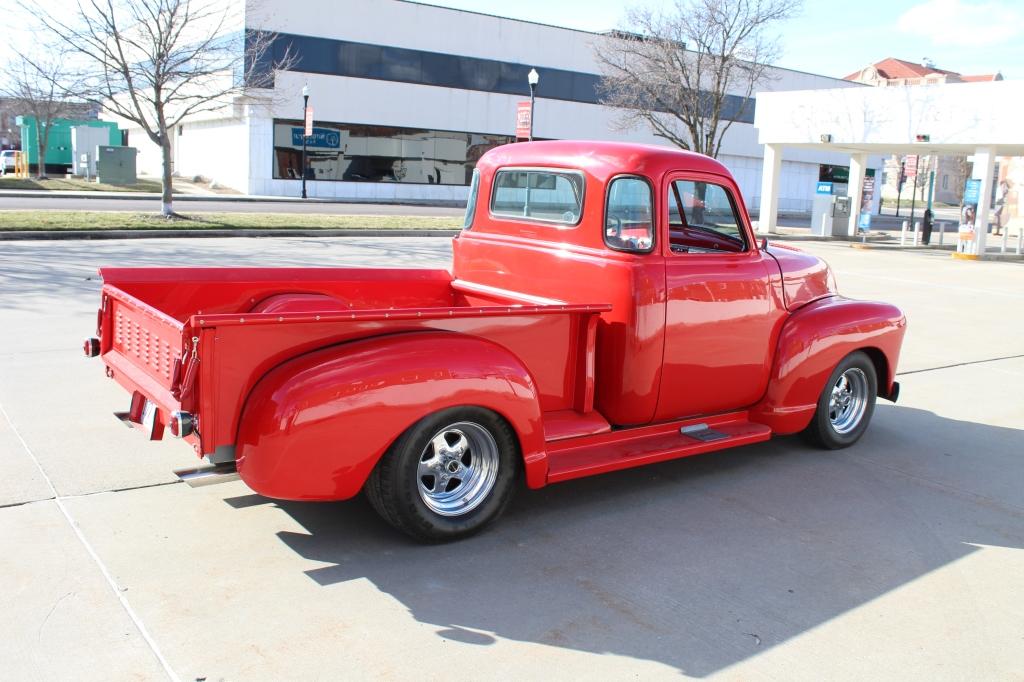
(197,477)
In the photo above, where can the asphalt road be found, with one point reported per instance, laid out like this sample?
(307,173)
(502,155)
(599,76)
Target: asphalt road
(51,203)
(900,558)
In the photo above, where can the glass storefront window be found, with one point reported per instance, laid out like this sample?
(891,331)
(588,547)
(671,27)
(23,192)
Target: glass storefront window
(361,153)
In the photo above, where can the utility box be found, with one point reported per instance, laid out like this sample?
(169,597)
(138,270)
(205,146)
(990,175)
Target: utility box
(116,165)
(84,140)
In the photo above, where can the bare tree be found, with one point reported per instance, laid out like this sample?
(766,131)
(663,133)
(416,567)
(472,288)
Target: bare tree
(157,62)
(688,72)
(39,86)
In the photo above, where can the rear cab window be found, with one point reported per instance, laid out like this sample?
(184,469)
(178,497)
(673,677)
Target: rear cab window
(538,194)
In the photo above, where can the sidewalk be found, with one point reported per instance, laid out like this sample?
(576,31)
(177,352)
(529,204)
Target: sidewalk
(209,196)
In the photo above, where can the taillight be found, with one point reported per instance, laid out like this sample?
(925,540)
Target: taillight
(181,424)
(91,347)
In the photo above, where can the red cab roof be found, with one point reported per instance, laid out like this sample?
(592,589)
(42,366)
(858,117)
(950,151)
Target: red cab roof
(600,159)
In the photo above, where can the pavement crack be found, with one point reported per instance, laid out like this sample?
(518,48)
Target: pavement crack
(24,502)
(39,631)
(120,490)
(960,364)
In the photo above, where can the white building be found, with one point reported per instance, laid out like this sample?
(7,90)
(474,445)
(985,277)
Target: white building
(407,96)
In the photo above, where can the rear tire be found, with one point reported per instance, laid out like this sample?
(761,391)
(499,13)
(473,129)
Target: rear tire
(448,475)
(846,404)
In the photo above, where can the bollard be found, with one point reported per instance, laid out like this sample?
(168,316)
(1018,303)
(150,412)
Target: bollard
(903,234)
(1006,234)
(942,231)
(917,233)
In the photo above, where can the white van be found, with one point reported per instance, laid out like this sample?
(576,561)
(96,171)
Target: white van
(7,161)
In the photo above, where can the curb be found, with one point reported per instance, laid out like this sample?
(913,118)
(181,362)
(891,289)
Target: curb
(64,235)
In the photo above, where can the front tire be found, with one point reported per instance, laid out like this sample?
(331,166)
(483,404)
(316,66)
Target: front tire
(846,403)
(448,475)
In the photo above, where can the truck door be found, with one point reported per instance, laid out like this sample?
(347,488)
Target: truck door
(722,315)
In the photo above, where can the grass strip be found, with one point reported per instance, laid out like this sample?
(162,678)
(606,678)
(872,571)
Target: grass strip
(126,220)
(75,185)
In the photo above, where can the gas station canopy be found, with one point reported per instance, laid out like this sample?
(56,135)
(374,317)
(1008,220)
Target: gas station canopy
(978,119)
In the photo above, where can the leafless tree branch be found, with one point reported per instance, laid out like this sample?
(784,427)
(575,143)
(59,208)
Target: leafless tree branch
(154,63)
(41,86)
(688,72)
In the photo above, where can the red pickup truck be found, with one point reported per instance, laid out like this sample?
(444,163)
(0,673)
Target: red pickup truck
(608,306)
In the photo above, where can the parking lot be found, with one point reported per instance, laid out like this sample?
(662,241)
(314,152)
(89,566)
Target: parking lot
(900,558)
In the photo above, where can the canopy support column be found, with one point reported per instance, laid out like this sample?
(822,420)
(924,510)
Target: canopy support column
(768,217)
(855,190)
(984,167)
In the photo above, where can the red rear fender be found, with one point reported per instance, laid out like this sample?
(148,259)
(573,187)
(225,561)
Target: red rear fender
(314,427)
(813,341)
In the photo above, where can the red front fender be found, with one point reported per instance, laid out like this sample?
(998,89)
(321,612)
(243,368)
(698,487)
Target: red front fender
(314,427)
(813,341)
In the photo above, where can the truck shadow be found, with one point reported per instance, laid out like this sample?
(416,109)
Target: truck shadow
(700,563)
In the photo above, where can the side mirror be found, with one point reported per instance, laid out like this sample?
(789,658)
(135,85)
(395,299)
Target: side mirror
(764,243)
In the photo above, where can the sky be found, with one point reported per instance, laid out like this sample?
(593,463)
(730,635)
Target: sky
(837,38)
(829,37)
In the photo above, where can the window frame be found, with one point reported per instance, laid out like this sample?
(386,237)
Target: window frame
(654,213)
(558,224)
(730,192)
(471,200)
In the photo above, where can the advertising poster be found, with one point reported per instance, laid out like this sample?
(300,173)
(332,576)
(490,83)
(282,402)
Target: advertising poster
(867,196)
(968,212)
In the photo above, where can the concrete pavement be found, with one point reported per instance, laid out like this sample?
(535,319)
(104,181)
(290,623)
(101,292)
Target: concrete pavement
(900,558)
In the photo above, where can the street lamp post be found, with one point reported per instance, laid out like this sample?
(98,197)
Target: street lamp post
(305,108)
(532,78)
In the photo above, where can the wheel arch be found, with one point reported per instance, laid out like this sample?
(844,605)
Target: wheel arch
(314,427)
(813,341)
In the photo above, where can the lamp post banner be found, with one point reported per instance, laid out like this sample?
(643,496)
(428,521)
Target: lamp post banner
(309,121)
(523,115)
(910,166)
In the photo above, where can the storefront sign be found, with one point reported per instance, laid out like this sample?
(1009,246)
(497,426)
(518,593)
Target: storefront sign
(824,188)
(319,138)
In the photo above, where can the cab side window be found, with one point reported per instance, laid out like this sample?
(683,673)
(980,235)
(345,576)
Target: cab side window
(629,215)
(703,219)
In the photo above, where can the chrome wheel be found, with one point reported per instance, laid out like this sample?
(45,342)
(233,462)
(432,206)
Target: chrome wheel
(849,400)
(457,469)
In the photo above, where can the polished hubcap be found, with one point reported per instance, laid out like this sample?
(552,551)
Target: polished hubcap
(849,400)
(457,469)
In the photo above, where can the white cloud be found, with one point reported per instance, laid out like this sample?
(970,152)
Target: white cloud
(956,23)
